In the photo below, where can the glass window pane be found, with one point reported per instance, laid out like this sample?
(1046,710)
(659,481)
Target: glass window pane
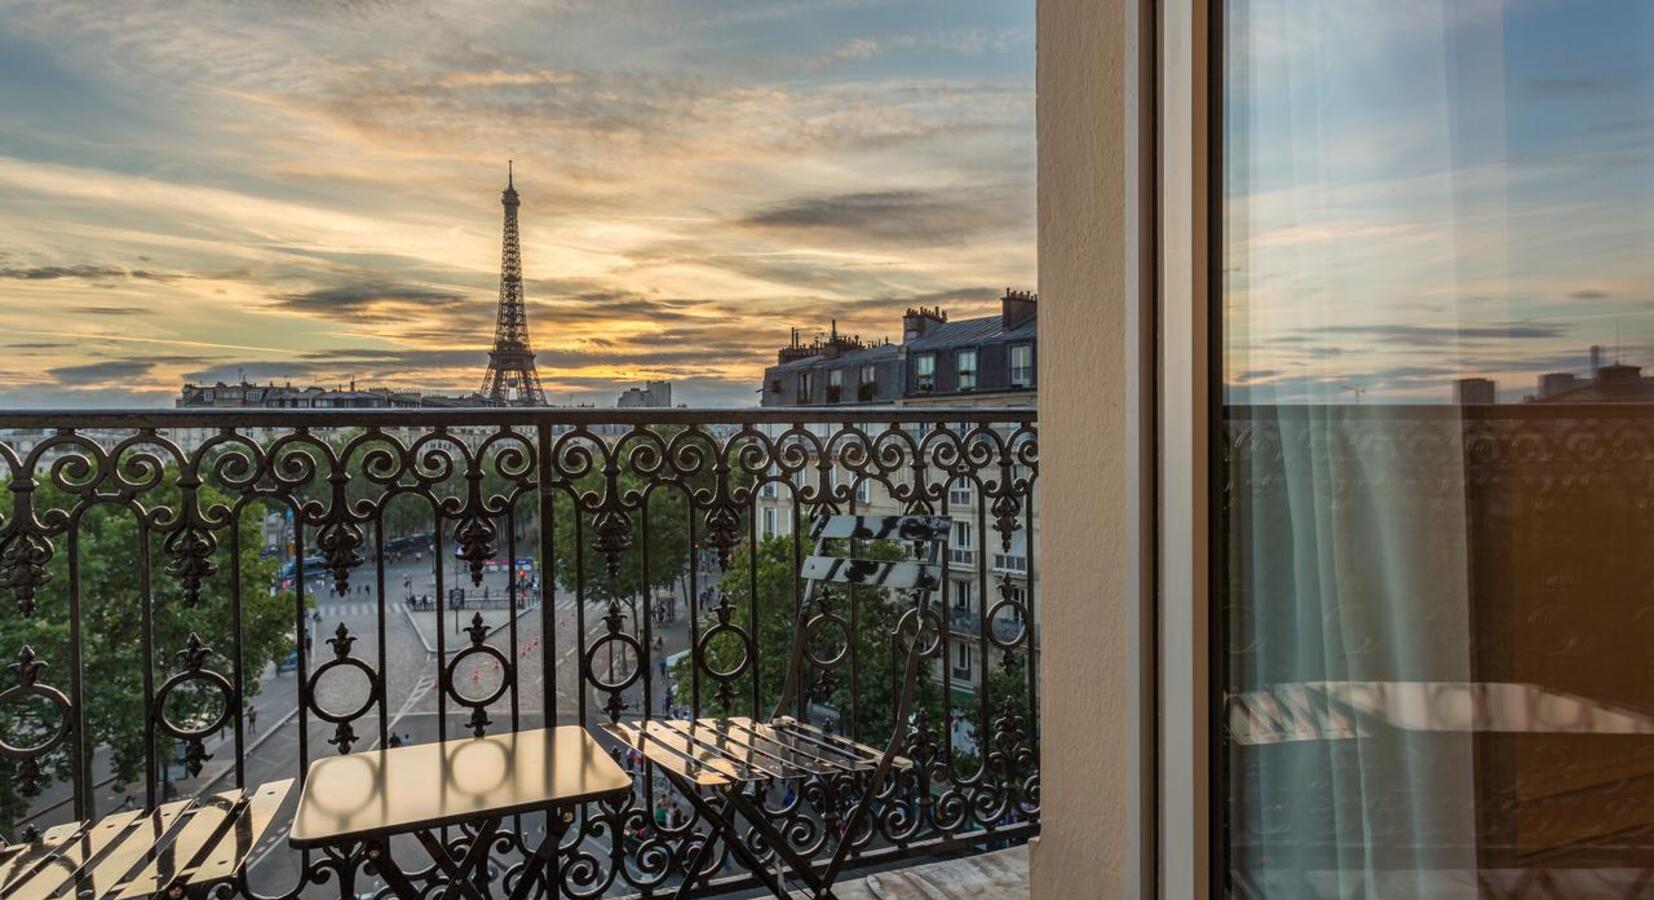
(1436,590)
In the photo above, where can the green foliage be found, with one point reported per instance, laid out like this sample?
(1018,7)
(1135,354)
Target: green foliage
(879,660)
(112,626)
(667,543)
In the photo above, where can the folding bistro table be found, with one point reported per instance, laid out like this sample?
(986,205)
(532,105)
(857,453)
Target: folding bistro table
(370,797)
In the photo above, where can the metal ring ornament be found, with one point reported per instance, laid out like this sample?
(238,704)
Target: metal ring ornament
(225,690)
(931,619)
(351,662)
(1021,634)
(590,661)
(704,642)
(53,696)
(843,627)
(499,689)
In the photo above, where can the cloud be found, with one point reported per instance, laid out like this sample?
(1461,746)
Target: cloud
(1589,294)
(101,373)
(1434,334)
(109,310)
(1572,88)
(905,216)
(371,301)
(860,48)
(82,271)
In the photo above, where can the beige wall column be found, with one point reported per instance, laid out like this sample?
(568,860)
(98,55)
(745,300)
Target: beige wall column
(1096,450)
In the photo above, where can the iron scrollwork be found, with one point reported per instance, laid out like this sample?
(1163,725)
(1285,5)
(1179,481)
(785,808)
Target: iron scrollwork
(487,483)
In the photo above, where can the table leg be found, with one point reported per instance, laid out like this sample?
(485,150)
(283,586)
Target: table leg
(469,875)
(557,824)
(379,854)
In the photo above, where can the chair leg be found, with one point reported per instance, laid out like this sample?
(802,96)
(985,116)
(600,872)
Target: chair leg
(701,854)
(806,873)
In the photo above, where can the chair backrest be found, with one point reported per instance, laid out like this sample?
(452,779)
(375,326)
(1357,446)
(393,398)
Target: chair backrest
(923,574)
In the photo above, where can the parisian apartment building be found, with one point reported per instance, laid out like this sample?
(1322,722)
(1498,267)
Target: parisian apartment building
(939,362)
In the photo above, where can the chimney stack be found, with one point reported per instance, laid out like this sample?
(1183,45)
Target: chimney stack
(1017,308)
(913,323)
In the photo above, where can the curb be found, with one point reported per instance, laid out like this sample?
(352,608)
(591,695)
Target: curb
(491,632)
(208,784)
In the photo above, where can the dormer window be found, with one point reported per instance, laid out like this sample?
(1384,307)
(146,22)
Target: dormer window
(924,372)
(1022,365)
(967,370)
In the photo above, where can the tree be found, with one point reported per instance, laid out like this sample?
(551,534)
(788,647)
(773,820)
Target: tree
(667,545)
(112,636)
(866,714)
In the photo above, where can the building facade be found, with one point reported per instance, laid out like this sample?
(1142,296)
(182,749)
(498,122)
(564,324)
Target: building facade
(653,395)
(985,361)
(989,360)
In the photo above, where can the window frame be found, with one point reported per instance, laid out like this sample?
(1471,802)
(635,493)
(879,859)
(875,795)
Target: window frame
(1188,156)
(960,370)
(1026,380)
(924,381)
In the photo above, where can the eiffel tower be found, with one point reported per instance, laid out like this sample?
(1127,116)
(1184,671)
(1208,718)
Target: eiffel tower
(511,378)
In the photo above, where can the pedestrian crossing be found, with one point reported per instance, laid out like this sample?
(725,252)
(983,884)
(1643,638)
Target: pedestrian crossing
(366,609)
(369,609)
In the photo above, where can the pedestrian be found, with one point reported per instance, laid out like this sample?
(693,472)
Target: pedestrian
(252,720)
(395,740)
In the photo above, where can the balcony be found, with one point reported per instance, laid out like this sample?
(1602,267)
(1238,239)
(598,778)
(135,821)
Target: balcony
(197,601)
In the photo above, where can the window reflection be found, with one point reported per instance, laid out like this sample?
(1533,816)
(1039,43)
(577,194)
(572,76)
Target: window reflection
(1436,588)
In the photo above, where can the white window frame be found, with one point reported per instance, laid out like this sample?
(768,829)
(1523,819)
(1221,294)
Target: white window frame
(966,374)
(1020,374)
(924,372)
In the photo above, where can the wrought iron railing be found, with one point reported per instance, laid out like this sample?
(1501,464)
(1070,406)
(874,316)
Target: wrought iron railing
(200,599)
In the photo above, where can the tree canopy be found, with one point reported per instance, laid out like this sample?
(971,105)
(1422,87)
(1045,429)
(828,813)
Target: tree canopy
(112,636)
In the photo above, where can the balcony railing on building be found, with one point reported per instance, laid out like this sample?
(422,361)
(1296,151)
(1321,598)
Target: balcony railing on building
(369,577)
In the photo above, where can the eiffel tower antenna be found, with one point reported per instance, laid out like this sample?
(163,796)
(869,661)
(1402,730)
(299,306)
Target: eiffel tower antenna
(511,379)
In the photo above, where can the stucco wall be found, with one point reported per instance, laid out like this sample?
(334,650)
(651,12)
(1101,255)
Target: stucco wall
(1089,401)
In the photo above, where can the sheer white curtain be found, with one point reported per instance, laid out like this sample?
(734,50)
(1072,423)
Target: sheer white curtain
(1348,568)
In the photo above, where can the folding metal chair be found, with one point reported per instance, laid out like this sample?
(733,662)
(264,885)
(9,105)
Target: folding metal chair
(730,755)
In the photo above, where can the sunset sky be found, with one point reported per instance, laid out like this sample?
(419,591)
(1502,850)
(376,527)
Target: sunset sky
(310,190)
